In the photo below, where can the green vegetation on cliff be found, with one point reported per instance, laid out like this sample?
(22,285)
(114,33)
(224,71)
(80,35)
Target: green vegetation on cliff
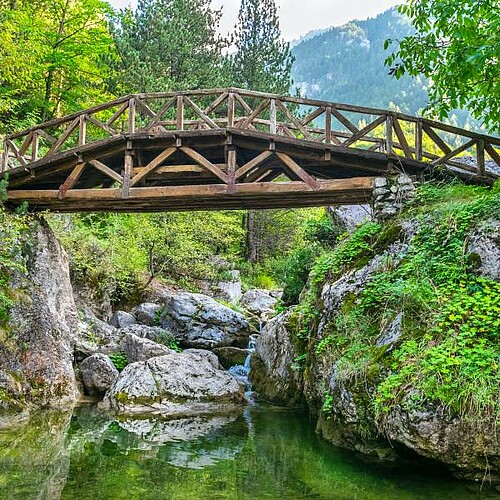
(420,269)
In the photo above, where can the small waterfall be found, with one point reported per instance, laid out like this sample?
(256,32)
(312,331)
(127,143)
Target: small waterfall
(241,372)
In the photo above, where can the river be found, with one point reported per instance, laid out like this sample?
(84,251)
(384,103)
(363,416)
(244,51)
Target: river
(262,453)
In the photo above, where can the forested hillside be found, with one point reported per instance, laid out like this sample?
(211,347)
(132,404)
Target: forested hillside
(346,64)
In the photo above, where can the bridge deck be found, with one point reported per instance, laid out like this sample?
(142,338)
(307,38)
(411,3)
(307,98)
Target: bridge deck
(229,149)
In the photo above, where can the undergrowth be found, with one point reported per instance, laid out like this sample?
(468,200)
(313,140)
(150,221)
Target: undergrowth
(449,352)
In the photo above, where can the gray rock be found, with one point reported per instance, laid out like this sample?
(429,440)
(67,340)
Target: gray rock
(231,356)
(230,290)
(391,336)
(258,301)
(98,374)
(484,248)
(272,364)
(175,385)
(206,355)
(199,321)
(121,319)
(146,332)
(380,182)
(36,368)
(142,349)
(147,313)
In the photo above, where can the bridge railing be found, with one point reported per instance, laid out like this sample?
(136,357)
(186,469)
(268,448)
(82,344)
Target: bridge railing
(331,124)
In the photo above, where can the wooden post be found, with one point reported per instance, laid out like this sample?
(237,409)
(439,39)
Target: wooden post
(419,140)
(388,134)
(82,132)
(328,125)
(272,117)
(131,116)
(230,110)
(5,157)
(127,171)
(180,113)
(231,169)
(481,163)
(34,146)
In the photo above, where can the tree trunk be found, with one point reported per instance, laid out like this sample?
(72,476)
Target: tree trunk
(251,250)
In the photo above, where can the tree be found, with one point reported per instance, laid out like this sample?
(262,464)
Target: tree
(54,58)
(263,60)
(169,45)
(457,46)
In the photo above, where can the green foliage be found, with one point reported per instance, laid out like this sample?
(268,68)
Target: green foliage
(457,45)
(263,60)
(449,351)
(168,339)
(119,359)
(169,45)
(54,59)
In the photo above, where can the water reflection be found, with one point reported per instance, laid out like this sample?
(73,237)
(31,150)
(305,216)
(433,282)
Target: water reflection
(264,453)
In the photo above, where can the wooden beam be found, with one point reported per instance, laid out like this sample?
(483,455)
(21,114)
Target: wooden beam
(71,180)
(127,173)
(255,162)
(106,170)
(208,165)
(298,170)
(152,165)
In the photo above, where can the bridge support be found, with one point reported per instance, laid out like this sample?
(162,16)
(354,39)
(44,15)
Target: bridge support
(390,195)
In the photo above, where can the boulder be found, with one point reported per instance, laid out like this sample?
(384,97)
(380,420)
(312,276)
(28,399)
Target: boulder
(122,319)
(154,333)
(98,374)
(484,249)
(36,362)
(391,335)
(199,321)
(258,301)
(206,355)
(175,385)
(272,372)
(141,349)
(231,356)
(147,313)
(230,290)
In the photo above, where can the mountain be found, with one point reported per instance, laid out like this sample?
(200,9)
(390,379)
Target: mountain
(346,64)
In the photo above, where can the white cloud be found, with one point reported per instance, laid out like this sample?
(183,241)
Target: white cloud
(297,17)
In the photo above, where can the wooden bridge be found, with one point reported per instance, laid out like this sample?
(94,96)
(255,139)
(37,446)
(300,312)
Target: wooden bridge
(229,148)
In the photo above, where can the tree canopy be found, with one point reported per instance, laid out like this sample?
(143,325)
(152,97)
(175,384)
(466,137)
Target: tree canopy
(457,46)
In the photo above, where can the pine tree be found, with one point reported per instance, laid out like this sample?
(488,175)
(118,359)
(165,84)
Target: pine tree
(263,60)
(169,45)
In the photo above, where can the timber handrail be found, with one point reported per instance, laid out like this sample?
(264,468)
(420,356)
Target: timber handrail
(431,143)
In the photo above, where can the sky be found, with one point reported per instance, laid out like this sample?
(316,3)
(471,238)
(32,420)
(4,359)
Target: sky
(298,17)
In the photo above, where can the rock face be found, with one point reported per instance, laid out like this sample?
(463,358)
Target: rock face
(258,301)
(199,321)
(484,245)
(36,358)
(141,349)
(98,374)
(146,313)
(175,385)
(231,356)
(272,364)
(122,319)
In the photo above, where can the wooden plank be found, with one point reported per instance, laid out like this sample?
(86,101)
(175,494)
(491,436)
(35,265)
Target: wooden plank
(294,120)
(255,113)
(71,180)
(145,108)
(106,170)
(231,170)
(162,111)
(255,162)
(418,140)
(389,140)
(201,160)
(127,173)
(11,146)
(216,103)
(402,138)
(26,144)
(492,152)
(366,130)
(46,136)
(313,115)
(117,113)
(82,130)
(436,139)
(152,165)
(242,102)
(200,113)
(342,119)
(272,117)
(103,126)
(131,115)
(298,170)
(34,147)
(71,127)
(451,154)
(328,125)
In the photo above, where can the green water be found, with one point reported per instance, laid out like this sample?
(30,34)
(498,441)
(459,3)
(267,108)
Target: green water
(264,453)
